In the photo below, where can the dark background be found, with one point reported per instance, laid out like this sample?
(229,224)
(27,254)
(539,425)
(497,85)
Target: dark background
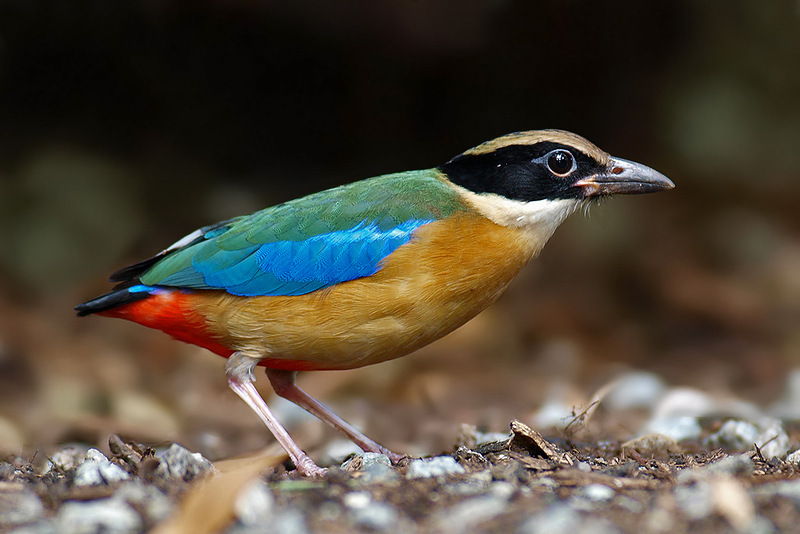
(125,125)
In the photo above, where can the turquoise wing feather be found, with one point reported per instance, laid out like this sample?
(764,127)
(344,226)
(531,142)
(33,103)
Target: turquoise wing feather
(310,243)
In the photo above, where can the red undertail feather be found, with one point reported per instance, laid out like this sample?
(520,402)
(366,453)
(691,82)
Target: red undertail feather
(172,312)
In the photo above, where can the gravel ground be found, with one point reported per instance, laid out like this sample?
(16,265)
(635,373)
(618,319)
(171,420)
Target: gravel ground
(688,477)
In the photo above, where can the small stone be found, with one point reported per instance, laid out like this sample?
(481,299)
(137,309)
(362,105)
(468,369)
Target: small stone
(734,435)
(433,467)
(789,489)
(377,516)
(696,500)
(794,457)
(476,483)
(253,505)
(772,440)
(501,489)
(288,521)
(357,499)
(630,504)
(678,428)
(97,469)
(633,390)
(684,402)
(374,458)
(659,520)
(596,493)
(67,458)
(466,515)
(147,499)
(653,445)
(379,473)
(556,519)
(18,505)
(178,462)
(737,464)
(374,466)
(102,515)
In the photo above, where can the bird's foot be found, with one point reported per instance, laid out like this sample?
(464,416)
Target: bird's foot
(308,468)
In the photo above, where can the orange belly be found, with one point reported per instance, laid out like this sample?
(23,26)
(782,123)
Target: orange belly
(450,271)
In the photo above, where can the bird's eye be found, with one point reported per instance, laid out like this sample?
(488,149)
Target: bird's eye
(560,162)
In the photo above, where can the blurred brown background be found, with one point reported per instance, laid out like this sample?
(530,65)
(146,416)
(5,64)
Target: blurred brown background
(125,125)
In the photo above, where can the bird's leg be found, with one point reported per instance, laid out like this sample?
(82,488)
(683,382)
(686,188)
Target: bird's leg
(283,382)
(239,370)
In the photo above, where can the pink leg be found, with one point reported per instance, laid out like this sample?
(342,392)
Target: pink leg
(243,386)
(284,385)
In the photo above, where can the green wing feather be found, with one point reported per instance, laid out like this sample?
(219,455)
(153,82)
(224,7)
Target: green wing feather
(312,242)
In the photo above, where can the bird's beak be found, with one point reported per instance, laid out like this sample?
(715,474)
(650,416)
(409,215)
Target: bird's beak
(624,177)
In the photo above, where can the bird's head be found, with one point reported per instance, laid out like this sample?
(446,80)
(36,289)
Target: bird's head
(536,179)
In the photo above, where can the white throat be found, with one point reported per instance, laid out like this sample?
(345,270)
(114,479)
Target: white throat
(538,217)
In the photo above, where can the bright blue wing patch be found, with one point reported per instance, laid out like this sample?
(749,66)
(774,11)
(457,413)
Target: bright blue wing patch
(295,267)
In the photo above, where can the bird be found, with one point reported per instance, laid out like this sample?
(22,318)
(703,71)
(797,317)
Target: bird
(369,271)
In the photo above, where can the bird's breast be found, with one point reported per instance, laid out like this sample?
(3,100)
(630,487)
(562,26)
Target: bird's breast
(449,271)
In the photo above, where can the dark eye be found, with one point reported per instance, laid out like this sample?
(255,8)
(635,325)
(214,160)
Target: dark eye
(560,162)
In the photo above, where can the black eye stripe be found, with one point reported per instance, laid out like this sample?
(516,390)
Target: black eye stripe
(521,172)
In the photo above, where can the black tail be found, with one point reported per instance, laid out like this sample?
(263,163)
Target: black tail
(113,299)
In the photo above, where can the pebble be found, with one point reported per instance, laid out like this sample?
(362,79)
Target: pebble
(433,467)
(180,463)
(655,445)
(789,489)
(678,428)
(357,499)
(102,515)
(769,435)
(290,521)
(377,516)
(772,440)
(583,467)
(502,489)
(473,485)
(67,458)
(596,492)
(466,515)
(637,389)
(254,504)
(684,402)
(794,457)
(629,503)
(97,469)
(696,500)
(376,468)
(737,464)
(734,436)
(561,518)
(19,505)
(147,499)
